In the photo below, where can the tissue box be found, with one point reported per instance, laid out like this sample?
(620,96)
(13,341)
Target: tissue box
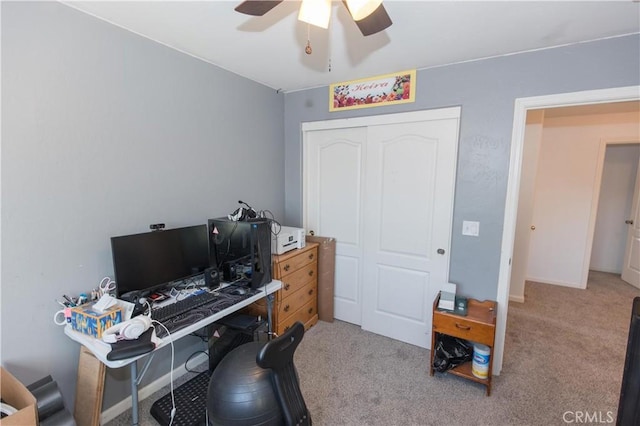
(88,320)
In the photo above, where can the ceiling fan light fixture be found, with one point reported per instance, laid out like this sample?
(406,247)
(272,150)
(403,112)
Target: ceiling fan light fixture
(315,12)
(360,9)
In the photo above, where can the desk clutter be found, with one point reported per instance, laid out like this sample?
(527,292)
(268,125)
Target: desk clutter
(222,268)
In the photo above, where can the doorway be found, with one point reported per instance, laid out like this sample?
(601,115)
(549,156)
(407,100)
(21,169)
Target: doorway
(522,105)
(618,187)
(560,186)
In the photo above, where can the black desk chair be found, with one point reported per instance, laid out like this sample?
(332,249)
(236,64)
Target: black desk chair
(277,355)
(248,389)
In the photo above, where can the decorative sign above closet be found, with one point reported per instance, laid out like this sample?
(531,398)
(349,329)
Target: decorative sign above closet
(382,90)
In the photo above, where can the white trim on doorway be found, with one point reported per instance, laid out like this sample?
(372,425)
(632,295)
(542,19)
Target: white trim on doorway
(522,105)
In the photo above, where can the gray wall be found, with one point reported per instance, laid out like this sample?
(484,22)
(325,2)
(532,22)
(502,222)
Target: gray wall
(486,91)
(103,133)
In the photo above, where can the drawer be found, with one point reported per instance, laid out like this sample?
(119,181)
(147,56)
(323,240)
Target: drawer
(297,280)
(289,265)
(305,314)
(296,300)
(463,328)
(312,321)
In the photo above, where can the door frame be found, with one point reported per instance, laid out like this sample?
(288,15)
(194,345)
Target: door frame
(522,105)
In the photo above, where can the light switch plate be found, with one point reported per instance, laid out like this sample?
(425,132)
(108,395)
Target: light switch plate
(471,228)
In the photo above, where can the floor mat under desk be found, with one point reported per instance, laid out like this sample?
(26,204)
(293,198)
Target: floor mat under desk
(191,403)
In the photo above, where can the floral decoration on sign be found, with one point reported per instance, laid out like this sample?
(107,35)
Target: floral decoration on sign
(382,90)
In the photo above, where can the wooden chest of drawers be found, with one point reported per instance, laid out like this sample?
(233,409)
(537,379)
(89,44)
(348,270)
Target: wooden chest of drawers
(298,298)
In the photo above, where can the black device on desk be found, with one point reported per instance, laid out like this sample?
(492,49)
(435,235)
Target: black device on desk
(241,249)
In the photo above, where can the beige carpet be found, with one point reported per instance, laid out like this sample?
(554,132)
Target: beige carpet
(564,354)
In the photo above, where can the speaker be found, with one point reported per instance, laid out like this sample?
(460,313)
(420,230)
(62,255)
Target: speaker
(629,405)
(212,278)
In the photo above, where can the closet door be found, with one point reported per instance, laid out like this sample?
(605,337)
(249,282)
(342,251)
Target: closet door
(335,169)
(408,209)
(383,187)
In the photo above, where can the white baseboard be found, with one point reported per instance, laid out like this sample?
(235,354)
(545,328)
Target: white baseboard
(124,405)
(514,298)
(552,282)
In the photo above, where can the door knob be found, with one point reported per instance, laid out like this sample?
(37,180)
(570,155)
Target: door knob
(312,233)
(533,227)
(629,222)
(440,251)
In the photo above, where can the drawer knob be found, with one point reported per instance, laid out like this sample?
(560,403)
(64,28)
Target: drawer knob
(286,286)
(286,308)
(310,273)
(286,267)
(463,327)
(311,256)
(310,292)
(310,310)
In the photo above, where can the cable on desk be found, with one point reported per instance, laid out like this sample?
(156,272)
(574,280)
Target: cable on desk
(173,401)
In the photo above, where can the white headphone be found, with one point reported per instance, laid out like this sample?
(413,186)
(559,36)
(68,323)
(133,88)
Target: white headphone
(128,330)
(7,409)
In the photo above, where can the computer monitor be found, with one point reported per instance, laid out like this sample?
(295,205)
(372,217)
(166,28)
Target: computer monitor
(148,261)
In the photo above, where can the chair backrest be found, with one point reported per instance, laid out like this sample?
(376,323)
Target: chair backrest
(277,354)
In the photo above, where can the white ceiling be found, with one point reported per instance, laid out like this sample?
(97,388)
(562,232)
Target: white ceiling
(424,34)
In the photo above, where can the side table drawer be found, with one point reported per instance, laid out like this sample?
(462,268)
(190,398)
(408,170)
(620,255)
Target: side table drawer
(464,329)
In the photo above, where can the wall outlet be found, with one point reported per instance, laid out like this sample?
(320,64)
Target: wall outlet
(470,228)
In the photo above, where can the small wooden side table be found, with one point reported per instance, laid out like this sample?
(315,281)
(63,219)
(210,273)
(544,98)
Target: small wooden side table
(479,325)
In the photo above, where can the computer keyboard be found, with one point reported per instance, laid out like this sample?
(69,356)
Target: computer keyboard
(182,306)
(214,303)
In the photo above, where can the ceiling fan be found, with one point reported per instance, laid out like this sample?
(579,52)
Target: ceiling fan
(369,15)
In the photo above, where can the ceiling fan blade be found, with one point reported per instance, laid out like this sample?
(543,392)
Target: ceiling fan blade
(377,21)
(256,7)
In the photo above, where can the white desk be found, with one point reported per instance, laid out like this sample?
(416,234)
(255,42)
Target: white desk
(100,349)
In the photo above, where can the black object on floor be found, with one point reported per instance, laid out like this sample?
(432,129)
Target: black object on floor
(50,405)
(628,409)
(191,403)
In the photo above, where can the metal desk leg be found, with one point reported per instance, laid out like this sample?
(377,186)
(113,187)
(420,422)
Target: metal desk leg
(134,393)
(270,299)
(135,382)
